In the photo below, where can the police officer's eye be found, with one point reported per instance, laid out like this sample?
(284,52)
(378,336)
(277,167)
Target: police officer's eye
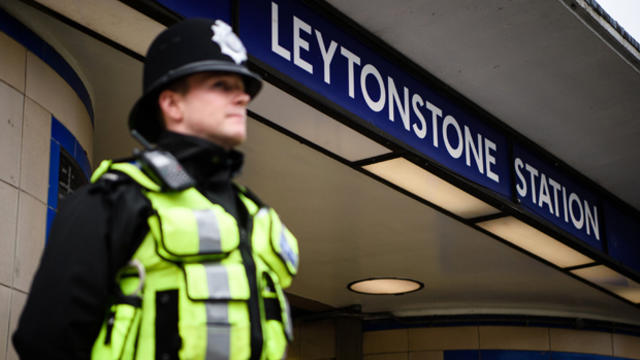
(222,85)
(227,85)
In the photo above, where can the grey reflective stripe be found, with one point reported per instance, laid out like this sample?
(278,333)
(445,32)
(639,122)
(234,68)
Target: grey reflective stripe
(287,252)
(218,331)
(218,327)
(261,212)
(288,326)
(217,281)
(208,231)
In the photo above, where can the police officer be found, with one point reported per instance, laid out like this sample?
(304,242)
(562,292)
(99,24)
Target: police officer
(163,256)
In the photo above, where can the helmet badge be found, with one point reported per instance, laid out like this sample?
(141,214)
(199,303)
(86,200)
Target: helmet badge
(229,43)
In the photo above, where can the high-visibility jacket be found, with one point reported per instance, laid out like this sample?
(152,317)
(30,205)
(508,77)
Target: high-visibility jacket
(200,275)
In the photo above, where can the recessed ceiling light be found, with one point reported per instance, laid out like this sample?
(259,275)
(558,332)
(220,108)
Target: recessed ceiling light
(611,280)
(422,183)
(535,241)
(385,286)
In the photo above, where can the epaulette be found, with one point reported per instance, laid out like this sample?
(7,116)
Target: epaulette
(250,194)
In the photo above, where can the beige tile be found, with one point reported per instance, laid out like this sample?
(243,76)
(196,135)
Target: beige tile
(443,338)
(389,356)
(12,62)
(30,240)
(36,135)
(11,104)
(50,90)
(591,342)
(626,346)
(5,300)
(18,300)
(318,340)
(513,338)
(9,211)
(426,355)
(385,341)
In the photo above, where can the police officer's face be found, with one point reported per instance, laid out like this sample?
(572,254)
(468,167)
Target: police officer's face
(213,108)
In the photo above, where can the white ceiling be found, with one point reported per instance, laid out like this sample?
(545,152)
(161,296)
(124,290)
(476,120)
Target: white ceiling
(531,64)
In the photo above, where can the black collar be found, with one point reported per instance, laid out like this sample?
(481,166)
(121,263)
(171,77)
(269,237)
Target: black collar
(206,162)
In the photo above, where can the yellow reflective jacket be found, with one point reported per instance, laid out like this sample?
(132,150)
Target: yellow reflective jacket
(196,271)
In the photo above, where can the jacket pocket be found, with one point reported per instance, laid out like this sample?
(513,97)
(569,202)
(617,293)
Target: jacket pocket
(216,281)
(222,292)
(119,333)
(188,235)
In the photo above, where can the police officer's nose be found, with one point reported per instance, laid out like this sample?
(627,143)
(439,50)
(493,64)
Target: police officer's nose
(242,98)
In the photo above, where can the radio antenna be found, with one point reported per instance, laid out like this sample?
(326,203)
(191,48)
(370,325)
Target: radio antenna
(136,135)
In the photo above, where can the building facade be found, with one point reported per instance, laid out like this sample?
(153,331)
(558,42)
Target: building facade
(456,163)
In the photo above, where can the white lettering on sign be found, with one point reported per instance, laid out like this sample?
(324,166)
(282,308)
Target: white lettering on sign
(327,55)
(471,149)
(421,131)
(351,60)
(489,149)
(300,43)
(380,91)
(451,121)
(403,105)
(436,113)
(375,105)
(275,46)
(550,195)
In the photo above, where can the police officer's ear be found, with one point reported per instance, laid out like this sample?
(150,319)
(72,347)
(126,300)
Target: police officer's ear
(170,108)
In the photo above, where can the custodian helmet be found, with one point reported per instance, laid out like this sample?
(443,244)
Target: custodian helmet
(188,47)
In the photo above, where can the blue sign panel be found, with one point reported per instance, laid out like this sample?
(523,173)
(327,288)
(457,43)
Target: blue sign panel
(514,354)
(556,355)
(197,8)
(461,355)
(66,175)
(316,53)
(547,192)
(521,355)
(623,235)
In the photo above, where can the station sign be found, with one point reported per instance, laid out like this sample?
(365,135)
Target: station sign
(549,193)
(317,54)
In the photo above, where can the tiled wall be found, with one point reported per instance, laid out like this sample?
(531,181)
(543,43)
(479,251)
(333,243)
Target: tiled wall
(313,341)
(316,340)
(497,342)
(31,93)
